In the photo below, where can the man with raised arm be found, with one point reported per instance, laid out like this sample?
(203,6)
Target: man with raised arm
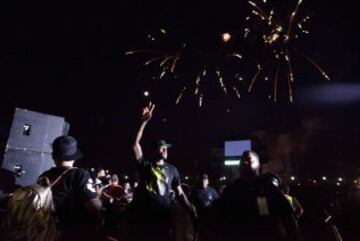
(157,179)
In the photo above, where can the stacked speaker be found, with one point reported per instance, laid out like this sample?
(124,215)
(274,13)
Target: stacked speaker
(28,149)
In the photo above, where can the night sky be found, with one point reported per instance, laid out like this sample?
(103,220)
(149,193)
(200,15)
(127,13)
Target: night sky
(67,58)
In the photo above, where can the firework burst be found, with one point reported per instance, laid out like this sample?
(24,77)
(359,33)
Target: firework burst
(197,66)
(277,35)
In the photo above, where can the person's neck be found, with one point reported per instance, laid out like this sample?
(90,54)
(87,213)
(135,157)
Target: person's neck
(66,164)
(160,162)
(249,176)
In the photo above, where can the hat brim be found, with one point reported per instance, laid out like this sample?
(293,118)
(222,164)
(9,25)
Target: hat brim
(78,155)
(167,145)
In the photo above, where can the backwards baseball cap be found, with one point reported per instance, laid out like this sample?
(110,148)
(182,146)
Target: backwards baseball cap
(163,143)
(205,176)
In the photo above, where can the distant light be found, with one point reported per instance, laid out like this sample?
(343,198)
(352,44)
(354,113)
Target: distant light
(355,181)
(338,184)
(226,37)
(232,163)
(186,178)
(324,178)
(146,93)
(314,181)
(126,177)
(340,179)
(222,178)
(152,38)
(292,178)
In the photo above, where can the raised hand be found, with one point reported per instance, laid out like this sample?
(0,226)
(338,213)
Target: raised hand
(147,112)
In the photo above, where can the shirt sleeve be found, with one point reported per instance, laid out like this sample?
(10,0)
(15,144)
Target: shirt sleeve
(86,186)
(176,180)
(215,194)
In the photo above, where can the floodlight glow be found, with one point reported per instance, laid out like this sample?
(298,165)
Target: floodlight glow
(232,163)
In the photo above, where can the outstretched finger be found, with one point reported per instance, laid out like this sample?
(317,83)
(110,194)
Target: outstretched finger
(152,108)
(150,104)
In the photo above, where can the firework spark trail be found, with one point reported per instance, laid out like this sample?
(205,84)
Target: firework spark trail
(140,51)
(165,60)
(261,12)
(256,13)
(153,60)
(290,76)
(237,92)
(291,21)
(174,64)
(200,100)
(276,80)
(288,60)
(221,81)
(271,17)
(197,83)
(162,74)
(180,95)
(254,78)
(301,26)
(313,63)
(291,98)
(236,55)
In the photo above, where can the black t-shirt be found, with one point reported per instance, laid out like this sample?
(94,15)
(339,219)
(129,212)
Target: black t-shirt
(250,205)
(157,182)
(204,197)
(70,194)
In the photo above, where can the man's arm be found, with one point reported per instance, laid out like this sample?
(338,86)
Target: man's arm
(185,201)
(298,208)
(94,208)
(145,117)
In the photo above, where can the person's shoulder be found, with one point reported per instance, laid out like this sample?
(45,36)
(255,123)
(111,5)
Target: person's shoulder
(170,166)
(79,170)
(212,189)
(77,174)
(52,171)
